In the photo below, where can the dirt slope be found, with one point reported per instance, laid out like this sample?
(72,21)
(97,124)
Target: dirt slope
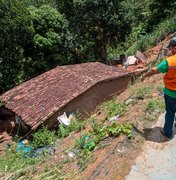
(114,156)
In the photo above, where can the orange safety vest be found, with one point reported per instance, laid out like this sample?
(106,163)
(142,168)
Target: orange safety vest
(170,76)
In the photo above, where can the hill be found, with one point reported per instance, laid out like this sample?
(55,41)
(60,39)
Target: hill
(97,151)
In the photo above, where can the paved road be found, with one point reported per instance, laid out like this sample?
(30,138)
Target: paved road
(158,159)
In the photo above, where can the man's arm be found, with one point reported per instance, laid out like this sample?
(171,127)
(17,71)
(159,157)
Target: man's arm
(149,73)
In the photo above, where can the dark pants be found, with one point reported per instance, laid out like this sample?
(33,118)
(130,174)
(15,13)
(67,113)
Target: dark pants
(170,115)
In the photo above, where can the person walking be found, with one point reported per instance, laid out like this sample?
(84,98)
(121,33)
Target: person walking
(167,66)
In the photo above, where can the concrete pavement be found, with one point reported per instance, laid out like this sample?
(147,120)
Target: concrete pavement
(158,159)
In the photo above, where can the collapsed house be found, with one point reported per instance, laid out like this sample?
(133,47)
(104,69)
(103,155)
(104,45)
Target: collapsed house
(69,88)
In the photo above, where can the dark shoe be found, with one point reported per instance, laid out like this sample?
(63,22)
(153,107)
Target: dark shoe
(175,124)
(163,133)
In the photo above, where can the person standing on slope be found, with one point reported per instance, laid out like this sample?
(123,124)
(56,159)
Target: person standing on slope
(168,66)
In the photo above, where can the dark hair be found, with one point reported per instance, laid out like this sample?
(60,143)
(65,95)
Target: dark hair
(172,42)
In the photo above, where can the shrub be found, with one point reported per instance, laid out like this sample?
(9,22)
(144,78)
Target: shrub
(148,40)
(43,137)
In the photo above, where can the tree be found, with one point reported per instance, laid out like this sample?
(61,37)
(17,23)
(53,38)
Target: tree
(15,31)
(66,7)
(51,44)
(38,3)
(135,11)
(98,23)
(159,10)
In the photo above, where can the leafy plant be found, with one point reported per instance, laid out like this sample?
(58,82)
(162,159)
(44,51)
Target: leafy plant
(63,131)
(87,142)
(43,137)
(95,126)
(113,108)
(76,124)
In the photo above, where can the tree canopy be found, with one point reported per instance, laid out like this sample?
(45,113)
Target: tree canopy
(37,35)
(15,30)
(51,42)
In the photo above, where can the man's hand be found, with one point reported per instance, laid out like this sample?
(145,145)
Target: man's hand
(151,72)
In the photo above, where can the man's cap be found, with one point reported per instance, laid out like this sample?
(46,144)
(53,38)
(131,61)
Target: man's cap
(172,42)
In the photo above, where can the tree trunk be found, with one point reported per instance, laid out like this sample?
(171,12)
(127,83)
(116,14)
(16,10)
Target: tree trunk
(102,49)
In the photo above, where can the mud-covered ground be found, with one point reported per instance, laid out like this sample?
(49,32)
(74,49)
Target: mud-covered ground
(113,157)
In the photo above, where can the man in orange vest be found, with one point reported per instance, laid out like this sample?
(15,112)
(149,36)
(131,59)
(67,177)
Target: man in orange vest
(168,66)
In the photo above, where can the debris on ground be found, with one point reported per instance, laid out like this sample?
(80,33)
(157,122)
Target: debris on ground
(23,147)
(114,118)
(111,156)
(131,60)
(135,64)
(63,119)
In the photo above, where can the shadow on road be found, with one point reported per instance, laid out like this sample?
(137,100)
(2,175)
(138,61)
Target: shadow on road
(152,134)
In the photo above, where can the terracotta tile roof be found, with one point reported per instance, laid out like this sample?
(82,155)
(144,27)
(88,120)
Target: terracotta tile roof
(37,99)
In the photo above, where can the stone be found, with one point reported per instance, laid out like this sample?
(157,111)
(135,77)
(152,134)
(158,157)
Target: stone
(140,56)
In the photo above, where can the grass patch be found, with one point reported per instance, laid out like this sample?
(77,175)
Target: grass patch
(54,172)
(152,109)
(141,93)
(112,108)
(159,87)
(150,117)
(155,105)
(17,160)
(16,157)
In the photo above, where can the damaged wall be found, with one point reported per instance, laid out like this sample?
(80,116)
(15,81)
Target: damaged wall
(88,101)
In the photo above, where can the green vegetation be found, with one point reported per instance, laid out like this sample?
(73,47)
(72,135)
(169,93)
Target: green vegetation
(14,160)
(141,93)
(153,108)
(63,132)
(157,35)
(20,159)
(112,108)
(51,41)
(38,35)
(43,137)
(88,142)
(155,105)
(76,125)
(17,159)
